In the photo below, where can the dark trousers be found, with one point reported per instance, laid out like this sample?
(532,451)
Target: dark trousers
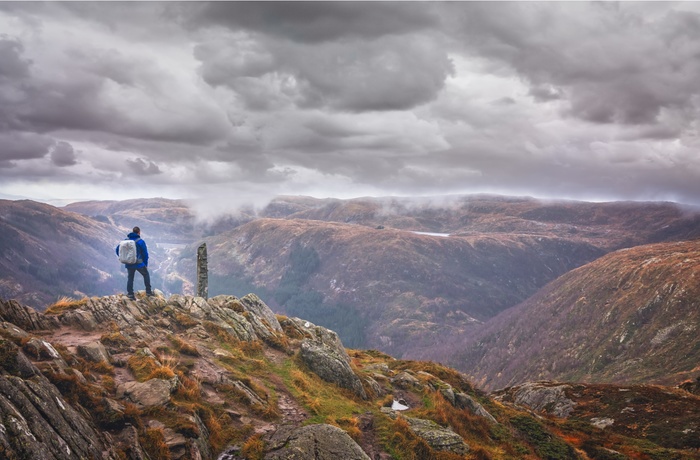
(130,280)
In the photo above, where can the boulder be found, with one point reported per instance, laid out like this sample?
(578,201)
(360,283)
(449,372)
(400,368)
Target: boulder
(153,392)
(464,401)
(11,331)
(318,442)
(437,437)
(257,307)
(602,422)
(449,395)
(375,386)
(41,350)
(332,364)
(406,381)
(101,310)
(229,311)
(113,410)
(94,351)
(543,396)
(261,318)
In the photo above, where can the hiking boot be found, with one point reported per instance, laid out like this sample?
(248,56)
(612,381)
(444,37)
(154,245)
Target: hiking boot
(131,297)
(150,294)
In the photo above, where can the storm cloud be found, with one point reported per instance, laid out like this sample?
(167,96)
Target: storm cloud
(196,100)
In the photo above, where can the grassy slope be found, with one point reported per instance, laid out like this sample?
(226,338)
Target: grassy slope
(629,317)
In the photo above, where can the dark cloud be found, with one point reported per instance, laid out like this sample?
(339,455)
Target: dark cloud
(12,64)
(312,22)
(615,65)
(388,73)
(102,90)
(142,167)
(23,146)
(62,155)
(567,99)
(545,93)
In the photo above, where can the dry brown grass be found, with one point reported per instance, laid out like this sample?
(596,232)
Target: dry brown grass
(161,372)
(190,388)
(254,448)
(65,303)
(412,447)
(351,425)
(184,320)
(183,346)
(115,339)
(142,366)
(153,442)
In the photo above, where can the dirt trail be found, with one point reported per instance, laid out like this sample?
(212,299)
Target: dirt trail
(71,338)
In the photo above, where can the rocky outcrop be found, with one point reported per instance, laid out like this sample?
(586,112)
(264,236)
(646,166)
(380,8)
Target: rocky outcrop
(92,312)
(227,311)
(406,381)
(317,442)
(153,392)
(542,396)
(464,401)
(94,351)
(263,319)
(39,423)
(325,355)
(25,317)
(192,379)
(437,437)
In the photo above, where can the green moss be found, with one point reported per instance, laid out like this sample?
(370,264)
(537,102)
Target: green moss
(8,357)
(545,443)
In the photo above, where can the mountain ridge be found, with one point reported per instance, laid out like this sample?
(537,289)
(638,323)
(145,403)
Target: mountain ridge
(191,378)
(629,317)
(398,280)
(47,252)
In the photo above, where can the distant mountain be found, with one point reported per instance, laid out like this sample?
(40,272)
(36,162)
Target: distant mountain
(186,378)
(632,316)
(166,219)
(386,288)
(176,221)
(360,266)
(608,226)
(47,252)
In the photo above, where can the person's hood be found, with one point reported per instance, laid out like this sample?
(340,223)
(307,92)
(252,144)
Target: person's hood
(133,236)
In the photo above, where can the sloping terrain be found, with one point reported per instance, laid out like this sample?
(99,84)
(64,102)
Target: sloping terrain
(173,221)
(632,316)
(608,226)
(188,378)
(379,284)
(46,252)
(168,220)
(386,288)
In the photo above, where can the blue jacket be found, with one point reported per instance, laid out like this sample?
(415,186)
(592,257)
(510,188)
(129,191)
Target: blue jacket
(141,251)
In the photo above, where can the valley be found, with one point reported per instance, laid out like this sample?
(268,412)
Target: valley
(424,278)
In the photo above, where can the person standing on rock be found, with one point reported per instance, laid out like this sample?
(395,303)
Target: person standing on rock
(139,262)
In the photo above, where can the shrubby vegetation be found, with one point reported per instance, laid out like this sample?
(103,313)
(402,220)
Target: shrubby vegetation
(301,301)
(297,299)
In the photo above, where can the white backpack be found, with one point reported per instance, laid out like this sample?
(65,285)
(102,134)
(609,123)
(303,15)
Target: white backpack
(128,254)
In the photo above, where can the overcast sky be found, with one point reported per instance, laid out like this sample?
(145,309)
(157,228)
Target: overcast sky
(236,102)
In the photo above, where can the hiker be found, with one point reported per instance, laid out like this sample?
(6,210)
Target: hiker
(135,258)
